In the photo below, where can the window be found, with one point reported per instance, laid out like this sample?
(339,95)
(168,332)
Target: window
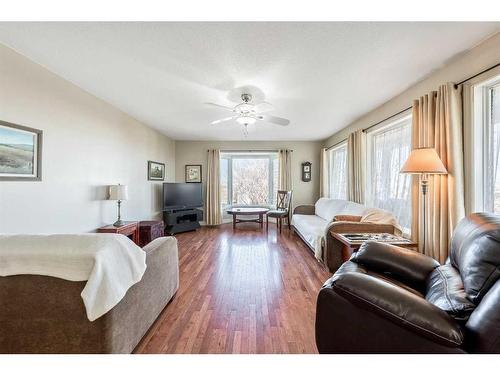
(486,146)
(249,179)
(337,171)
(388,149)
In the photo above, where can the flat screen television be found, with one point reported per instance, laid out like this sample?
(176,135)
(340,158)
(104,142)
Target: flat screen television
(182,195)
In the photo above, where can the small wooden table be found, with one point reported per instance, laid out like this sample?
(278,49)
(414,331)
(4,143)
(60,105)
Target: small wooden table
(248,211)
(129,229)
(352,241)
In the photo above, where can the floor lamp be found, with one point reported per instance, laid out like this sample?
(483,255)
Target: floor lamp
(424,161)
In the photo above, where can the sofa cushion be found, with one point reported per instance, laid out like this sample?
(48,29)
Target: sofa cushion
(475,252)
(446,291)
(327,208)
(311,228)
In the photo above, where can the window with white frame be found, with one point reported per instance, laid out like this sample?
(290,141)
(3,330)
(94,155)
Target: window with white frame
(388,147)
(486,146)
(248,178)
(337,171)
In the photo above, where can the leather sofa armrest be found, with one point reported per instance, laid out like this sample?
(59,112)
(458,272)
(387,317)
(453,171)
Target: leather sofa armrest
(304,209)
(399,306)
(403,264)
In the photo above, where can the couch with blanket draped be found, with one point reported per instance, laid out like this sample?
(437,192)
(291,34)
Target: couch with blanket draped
(82,293)
(313,224)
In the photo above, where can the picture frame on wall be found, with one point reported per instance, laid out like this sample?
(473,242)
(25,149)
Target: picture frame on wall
(20,153)
(306,171)
(156,171)
(193,173)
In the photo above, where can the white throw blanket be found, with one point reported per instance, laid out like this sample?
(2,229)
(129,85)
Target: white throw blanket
(110,263)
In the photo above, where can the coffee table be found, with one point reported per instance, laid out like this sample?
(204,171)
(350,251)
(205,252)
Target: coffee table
(351,242)
(247,211)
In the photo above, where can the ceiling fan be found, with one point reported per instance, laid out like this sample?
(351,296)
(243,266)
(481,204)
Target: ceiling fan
(247,113)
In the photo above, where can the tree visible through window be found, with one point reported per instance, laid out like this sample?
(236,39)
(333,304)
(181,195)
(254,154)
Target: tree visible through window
(249,179)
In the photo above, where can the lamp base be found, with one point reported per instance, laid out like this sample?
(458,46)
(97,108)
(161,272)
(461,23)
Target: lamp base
(118,223)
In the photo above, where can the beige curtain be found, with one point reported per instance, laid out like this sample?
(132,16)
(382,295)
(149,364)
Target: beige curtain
(323,174)
(356,162)
(437,122)
(213,208)
(285,170)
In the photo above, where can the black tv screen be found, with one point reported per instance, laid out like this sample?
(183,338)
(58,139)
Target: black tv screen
(182,195)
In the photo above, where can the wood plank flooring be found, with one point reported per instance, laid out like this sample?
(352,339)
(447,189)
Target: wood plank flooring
(241,291)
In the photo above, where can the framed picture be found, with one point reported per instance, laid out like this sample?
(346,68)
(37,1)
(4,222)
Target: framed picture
(193,173)
(20,153)
(306,171)
(156,171)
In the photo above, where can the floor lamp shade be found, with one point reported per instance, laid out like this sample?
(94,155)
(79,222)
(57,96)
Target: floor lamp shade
(118,192)
(424,160)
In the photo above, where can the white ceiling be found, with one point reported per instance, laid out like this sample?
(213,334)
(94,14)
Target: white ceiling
(321,76)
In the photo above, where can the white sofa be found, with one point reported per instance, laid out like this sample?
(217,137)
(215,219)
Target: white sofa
(313,223)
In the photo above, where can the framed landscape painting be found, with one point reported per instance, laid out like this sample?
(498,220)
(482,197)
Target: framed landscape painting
(20,153)
(156,171)
(193,173)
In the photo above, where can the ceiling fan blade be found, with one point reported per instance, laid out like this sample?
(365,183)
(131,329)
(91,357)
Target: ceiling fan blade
(263,107)
(274,120)
(220,106)
(223,120)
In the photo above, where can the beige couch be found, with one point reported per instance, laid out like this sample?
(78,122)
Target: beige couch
(313,224)
(42,314)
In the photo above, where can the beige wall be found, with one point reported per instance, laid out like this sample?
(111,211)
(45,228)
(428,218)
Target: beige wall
(87,144)
(195,152)
(477,59)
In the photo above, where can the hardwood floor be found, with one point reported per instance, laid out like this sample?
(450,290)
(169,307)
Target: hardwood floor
(241,291)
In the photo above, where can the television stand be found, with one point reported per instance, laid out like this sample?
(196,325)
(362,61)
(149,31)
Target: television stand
(179,220)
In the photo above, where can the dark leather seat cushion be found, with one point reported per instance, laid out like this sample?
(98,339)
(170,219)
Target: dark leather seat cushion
(475,252)
(446,291)
(388,299)
(277,213)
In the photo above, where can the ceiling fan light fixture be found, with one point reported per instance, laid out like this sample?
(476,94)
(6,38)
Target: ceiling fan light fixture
(245,120)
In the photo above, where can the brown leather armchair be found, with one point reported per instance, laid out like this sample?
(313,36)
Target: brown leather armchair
(387,299)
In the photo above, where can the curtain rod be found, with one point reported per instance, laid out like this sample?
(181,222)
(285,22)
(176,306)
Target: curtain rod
(406,109)
(336,144)
(249,150)
(478,74)
(387,118)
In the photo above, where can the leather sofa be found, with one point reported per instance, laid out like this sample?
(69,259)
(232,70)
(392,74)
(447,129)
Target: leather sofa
(313,224)
(387,299)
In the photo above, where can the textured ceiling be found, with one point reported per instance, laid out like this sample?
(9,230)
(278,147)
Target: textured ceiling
(321,76)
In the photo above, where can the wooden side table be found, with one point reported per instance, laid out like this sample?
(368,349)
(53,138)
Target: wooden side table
(150,230)
(352,241)
(129,229)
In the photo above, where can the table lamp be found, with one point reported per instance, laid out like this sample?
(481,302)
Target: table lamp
(424,161)
(118,193)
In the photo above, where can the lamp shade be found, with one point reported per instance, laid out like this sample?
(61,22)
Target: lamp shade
(424,160)
(118,192)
